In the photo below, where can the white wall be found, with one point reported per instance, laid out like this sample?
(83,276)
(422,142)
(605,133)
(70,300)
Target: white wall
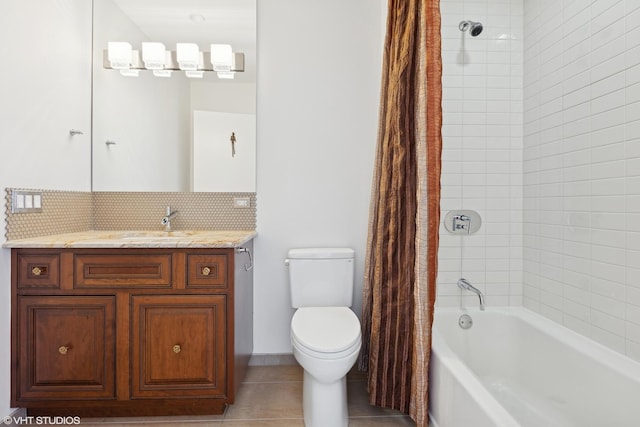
(220,165)
(582,167)
(318,92)
(230,97)
(45,83)
(482,150)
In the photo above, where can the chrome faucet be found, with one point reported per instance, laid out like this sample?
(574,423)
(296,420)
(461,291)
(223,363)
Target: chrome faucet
(464,284)
(166,220)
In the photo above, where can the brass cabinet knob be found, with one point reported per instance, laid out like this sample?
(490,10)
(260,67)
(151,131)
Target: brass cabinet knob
(177,349)
(206,271)
(63,349)
(36,271)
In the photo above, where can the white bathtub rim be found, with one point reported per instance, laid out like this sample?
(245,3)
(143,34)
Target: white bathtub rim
(586,346)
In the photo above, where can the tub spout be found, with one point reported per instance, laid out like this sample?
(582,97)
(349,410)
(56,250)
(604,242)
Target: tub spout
(464,284)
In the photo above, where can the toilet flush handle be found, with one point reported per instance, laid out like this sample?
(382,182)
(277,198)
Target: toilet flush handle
(286,261)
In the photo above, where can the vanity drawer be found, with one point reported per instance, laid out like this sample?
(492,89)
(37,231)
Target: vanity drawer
(122,270)
(207,270)
(38,271)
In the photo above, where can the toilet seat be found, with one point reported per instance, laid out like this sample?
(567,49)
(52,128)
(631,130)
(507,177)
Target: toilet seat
(326,332)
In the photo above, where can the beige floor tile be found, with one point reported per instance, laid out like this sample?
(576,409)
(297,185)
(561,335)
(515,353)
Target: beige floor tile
(359,406)
(356,375)
(283,373)
(149,421)
(270,396)
(381,421)
(263,423)
(163,423)
(267,401)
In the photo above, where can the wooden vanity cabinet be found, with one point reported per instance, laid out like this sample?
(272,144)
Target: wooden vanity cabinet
(129,332)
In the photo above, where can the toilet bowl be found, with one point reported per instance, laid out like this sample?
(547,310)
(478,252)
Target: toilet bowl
(326,342)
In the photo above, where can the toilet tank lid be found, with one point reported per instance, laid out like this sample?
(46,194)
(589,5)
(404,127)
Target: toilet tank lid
(321,253)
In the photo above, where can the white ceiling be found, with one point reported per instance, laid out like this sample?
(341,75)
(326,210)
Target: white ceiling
(225,21)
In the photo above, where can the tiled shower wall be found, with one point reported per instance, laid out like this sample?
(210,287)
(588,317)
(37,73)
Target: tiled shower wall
(582,167)
(482,150)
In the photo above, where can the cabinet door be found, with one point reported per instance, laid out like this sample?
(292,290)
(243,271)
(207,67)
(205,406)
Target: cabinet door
(179,346)
(66,347)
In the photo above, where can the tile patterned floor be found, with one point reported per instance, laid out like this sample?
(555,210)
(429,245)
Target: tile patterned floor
(270,396)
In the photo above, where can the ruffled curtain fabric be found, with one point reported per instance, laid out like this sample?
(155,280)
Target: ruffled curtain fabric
(401,261)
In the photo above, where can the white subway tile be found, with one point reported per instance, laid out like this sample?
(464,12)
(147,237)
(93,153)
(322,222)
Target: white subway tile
(633,185)
(633,298)
(607,67)
(633,331)
(605,13)
(576,324)
(602,270)
(607,102)
(612,117)
(609,339)
(610,186)
(632,74)
(633,203)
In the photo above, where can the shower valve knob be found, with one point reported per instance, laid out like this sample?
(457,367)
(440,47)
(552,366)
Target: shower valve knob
(462,222)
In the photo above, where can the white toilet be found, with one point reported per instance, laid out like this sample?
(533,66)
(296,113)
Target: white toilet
(325,333)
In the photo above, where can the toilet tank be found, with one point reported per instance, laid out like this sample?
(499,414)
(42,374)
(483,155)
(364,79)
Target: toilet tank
(321,277)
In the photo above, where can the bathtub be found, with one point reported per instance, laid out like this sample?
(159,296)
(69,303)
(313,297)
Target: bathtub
(514,368)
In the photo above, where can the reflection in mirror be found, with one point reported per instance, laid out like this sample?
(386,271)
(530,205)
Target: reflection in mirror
(174,134)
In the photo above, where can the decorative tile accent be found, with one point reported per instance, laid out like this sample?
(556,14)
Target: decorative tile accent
(70,212)
(62,212)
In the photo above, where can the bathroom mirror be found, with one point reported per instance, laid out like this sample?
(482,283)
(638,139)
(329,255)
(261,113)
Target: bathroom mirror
(174,133)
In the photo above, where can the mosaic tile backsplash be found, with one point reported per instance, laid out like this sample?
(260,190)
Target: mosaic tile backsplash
(68,212)
(62,212)
(196,211)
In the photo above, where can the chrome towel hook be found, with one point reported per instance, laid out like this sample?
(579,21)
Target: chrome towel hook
(248,252)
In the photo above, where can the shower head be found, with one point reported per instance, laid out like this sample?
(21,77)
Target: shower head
(475,28)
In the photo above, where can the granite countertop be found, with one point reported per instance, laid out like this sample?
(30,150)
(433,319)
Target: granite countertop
(138,239)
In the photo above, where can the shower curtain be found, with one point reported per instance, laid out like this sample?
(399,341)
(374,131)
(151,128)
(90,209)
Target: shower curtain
(402,243)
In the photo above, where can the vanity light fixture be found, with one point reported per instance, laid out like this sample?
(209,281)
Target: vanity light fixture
(154,55)
(162,73)
(226,74)
(120,55)
(130,73)
(188,55)
(194,74)
(221,57)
